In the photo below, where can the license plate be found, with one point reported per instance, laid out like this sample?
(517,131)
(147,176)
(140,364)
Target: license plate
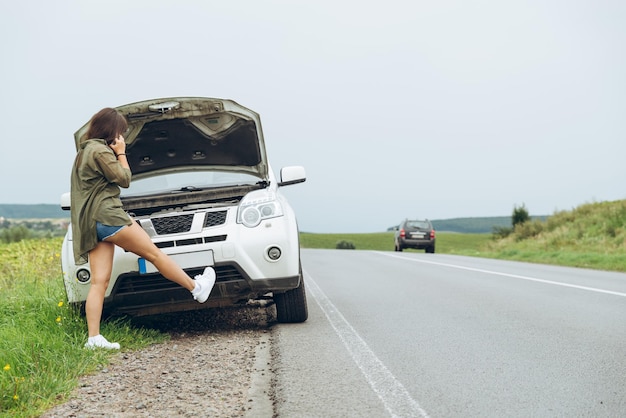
(417,235)
(184,260)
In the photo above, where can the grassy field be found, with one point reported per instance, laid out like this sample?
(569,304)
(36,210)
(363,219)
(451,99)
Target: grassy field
(591,236)
(447,242)
(41,338)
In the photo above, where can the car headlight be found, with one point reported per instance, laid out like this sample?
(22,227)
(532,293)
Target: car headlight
(258,206)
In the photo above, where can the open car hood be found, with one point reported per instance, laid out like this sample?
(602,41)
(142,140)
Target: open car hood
(191,133)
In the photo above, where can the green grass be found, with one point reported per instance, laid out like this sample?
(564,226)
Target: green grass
(590,236)
(41,337)
(375,241)
(447,242)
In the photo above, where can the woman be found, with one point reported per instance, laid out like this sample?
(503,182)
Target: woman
(99,222)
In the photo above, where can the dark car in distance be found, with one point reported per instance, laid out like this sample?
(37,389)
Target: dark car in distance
(415,233)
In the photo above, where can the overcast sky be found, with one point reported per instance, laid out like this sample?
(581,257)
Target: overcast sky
(419,109)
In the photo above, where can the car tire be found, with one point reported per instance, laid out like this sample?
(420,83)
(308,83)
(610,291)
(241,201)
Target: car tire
(431,249)
(291,305)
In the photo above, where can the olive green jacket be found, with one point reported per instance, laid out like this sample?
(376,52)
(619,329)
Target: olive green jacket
(96,179)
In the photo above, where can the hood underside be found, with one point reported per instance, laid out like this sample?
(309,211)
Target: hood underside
(191,133)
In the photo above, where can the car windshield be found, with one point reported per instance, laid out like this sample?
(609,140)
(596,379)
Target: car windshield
(187,181)
(418,224)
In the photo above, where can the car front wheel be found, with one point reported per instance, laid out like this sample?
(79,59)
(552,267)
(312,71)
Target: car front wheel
(291,306)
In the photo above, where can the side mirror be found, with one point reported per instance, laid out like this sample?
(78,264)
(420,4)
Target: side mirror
(65,201)
(292,175)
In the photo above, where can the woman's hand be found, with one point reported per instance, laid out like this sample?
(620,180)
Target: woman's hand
(118,146)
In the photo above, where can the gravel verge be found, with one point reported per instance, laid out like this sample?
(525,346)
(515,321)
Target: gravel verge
(216,364)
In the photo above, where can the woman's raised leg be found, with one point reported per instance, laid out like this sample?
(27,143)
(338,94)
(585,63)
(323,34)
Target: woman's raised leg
(136,240)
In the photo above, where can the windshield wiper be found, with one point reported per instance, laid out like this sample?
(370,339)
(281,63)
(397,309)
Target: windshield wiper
(188,189)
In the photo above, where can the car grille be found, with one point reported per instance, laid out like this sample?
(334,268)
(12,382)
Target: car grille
(182,223)
(172,224)
(215,218)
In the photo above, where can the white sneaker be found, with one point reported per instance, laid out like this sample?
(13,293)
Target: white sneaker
(204,285)
(100,342)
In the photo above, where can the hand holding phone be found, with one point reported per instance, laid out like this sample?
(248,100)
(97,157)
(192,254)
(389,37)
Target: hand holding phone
(118,146)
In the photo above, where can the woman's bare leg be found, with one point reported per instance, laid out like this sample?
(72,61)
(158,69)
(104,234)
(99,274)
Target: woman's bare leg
(101,262)
(136,240)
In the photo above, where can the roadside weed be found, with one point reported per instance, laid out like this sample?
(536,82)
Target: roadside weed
(41,335)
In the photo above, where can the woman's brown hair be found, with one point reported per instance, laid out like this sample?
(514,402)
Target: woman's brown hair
(107,124)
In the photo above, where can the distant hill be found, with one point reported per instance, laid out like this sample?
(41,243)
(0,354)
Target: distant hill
(474,225)
(41,211)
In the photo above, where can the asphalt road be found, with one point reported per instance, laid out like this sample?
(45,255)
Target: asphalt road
(415,335)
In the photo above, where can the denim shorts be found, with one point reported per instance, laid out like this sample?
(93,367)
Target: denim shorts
(106,231)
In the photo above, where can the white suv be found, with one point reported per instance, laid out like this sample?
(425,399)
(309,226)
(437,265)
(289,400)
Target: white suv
(205,193)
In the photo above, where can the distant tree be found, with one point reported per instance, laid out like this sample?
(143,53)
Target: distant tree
(528,230)
(345,245)
(500,232)
(520,215)
(15,234)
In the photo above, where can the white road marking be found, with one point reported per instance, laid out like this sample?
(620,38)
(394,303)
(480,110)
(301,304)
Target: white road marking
(515,276)
(396,399)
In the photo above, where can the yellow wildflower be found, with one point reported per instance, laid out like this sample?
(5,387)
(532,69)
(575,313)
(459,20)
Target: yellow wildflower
(60,304)
(7,367)
(15,397)
(58,319)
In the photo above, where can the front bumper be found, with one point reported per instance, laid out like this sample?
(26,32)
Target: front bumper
(152,293)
